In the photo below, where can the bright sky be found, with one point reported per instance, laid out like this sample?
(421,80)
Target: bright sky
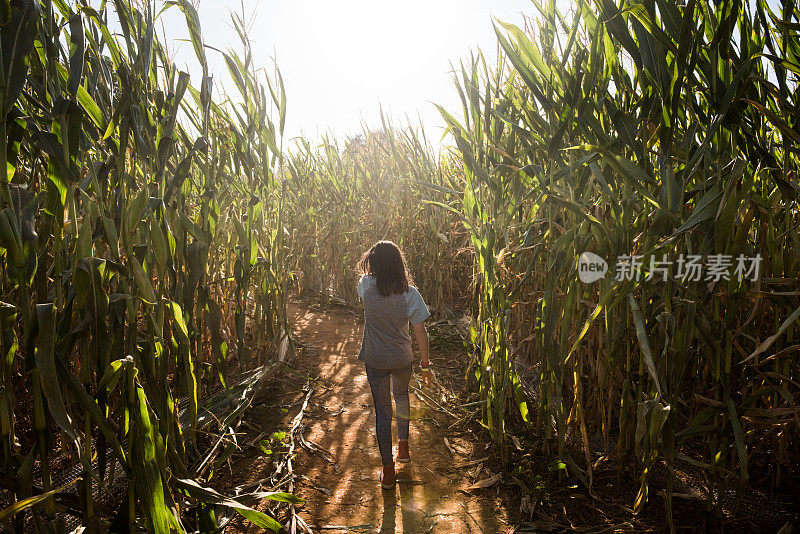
(342,60)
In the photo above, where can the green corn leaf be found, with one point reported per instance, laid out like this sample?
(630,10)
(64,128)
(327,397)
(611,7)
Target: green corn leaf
(83,246)
(741,448)
(644,341)
(530,53)
(135,209)
(112,238)
(25,208)
(10,238)
(705,210)
(77,47)
(210,496)
(108,39)
(143,282)
(24,504)
(182,333)
(280,496)
(159,243)
(147,476)
(17,41)
(45,361)
(8,337)
(90,107)
(193,23)
(113,373)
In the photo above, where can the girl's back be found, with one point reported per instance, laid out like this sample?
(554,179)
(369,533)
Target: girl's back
(386,343)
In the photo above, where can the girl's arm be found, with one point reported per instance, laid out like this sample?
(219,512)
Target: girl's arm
(421,334)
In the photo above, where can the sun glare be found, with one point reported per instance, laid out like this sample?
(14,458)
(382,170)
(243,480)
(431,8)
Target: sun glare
(342,61)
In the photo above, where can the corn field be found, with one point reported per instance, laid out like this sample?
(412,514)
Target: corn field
(152,231)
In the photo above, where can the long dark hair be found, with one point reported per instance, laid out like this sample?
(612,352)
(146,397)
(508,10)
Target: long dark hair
(385,261)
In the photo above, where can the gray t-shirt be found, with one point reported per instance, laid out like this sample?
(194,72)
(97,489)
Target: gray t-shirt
(386,343)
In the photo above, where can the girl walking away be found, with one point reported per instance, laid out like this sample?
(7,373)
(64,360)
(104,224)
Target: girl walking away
(390,305)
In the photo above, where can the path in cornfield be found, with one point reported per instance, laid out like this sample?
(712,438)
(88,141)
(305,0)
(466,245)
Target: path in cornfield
(341,420)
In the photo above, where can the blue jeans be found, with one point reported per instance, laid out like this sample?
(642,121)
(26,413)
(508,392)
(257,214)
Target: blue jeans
(379,384)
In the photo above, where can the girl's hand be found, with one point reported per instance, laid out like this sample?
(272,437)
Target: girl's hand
(427,377)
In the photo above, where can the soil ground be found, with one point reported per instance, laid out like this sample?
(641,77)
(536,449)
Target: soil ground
(342,492)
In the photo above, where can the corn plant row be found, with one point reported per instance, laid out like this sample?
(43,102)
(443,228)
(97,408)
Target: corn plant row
(345,196)
(140,265)
(649,129)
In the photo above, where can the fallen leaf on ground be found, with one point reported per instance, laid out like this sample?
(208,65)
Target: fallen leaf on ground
(471,462)
(486,482)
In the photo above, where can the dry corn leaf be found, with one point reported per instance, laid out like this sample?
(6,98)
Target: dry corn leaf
(486,482)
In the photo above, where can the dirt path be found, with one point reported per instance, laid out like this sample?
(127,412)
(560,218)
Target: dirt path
(341,420)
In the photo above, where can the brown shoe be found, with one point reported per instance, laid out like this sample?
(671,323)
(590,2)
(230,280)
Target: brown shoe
(402,451)
(388,477)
